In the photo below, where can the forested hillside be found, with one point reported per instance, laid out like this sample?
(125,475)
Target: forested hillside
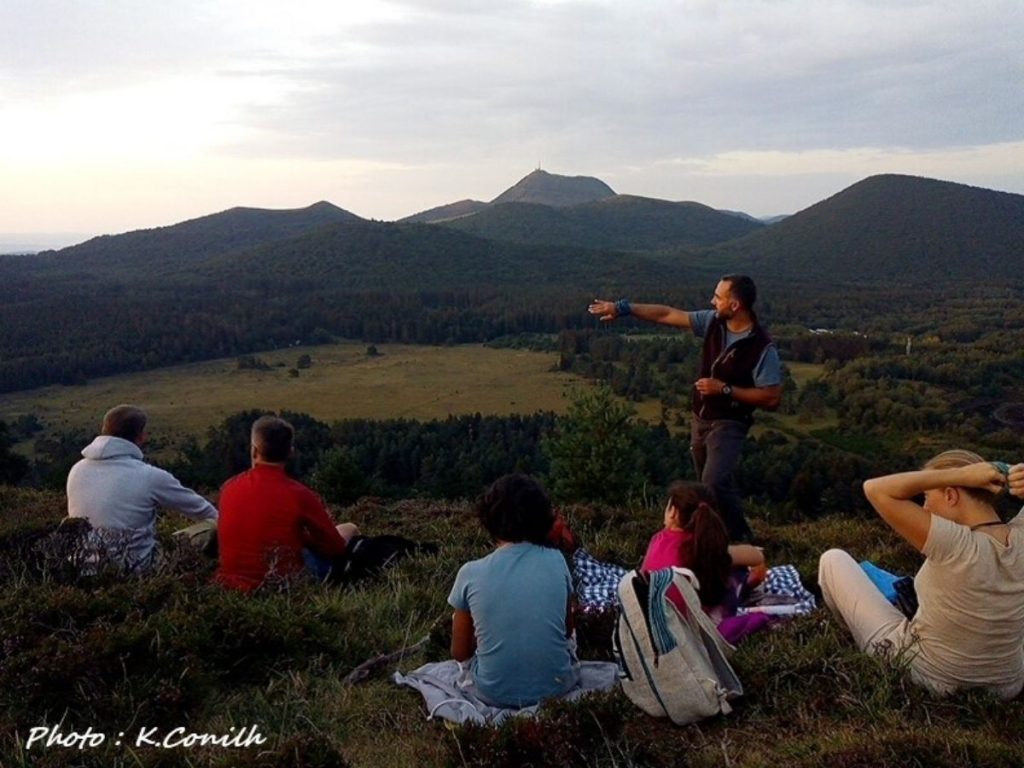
(166,249)
(364,280)
(246,280)
(623,222)
(407,258)
(445,212)
(901,228)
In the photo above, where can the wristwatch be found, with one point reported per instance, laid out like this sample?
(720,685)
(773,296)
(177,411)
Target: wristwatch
(727,390)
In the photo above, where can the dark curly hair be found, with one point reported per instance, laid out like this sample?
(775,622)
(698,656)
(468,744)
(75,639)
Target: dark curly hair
(516,508)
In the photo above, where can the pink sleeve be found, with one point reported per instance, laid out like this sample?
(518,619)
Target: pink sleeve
(662,552)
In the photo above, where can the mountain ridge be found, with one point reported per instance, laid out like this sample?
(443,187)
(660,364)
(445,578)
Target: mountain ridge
(537,187)
(447,212)
(190,241)
(888,226)
(554,190)
(892,226)
(620,222)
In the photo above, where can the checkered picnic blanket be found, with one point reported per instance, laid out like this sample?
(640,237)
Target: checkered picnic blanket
(596,583)
(785,580)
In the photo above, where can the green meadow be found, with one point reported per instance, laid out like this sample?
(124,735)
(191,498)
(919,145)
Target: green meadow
(804,372)
(343,382)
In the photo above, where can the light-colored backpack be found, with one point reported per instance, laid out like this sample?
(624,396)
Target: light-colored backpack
(671,665)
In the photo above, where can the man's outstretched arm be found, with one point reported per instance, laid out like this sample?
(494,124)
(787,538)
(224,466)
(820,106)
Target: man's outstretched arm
(652,313)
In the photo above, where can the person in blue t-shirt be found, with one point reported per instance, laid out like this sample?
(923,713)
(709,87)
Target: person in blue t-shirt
(512,607)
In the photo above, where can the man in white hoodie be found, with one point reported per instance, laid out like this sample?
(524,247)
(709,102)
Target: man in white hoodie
(119,493)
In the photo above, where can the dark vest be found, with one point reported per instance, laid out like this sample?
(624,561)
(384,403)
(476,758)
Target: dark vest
(734,366)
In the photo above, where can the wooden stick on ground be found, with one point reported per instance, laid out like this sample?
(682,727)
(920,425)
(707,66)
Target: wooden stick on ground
(370,666)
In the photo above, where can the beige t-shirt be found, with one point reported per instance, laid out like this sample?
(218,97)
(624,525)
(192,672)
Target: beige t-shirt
(970,621)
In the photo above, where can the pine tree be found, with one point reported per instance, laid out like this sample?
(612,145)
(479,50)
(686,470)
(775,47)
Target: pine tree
(594,450)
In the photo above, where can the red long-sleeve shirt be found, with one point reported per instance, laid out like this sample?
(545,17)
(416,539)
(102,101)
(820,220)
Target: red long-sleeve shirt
(266,519)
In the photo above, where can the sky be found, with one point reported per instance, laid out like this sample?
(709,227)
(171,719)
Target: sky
(118,114)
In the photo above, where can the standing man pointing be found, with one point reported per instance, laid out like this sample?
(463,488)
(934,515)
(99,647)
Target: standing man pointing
(739,371)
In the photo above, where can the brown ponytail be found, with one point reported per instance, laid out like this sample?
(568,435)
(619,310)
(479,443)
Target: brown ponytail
(707,554)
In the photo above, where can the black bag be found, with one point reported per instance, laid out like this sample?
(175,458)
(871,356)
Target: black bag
(369,555)
(906,596)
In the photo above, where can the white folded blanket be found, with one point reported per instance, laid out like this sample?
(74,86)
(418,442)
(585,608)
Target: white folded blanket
(449,691)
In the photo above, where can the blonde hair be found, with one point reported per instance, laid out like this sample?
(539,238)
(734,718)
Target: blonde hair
(955,459)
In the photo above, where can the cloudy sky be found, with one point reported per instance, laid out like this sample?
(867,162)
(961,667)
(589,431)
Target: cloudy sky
(122,114)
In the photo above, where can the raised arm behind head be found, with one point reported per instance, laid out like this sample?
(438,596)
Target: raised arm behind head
(957,485)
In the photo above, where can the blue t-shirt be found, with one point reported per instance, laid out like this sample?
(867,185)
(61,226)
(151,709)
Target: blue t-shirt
(767,372)
(517,596)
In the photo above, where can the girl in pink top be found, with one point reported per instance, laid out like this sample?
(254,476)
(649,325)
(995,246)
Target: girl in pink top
(695,537)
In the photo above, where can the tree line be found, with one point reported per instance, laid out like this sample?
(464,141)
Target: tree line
(59,330)
(599,452)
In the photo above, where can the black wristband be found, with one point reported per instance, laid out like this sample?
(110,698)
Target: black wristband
(622,308)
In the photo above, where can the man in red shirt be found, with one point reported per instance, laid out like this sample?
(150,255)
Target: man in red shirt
(272,526)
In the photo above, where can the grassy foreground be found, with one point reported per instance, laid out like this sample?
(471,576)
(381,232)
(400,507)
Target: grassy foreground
(172,650)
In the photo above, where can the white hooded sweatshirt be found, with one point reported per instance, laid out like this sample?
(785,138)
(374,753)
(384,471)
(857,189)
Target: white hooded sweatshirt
(119,493)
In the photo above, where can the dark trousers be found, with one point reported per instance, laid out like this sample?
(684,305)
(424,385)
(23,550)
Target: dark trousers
(716,447)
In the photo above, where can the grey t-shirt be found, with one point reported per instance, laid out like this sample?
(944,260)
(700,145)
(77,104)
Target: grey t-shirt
(767,372)
(970,621)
